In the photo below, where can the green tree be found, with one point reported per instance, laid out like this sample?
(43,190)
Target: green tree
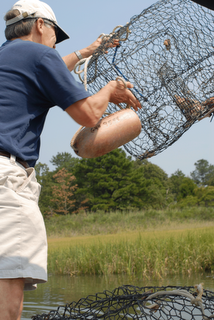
(175,182)
(45,178)
(203,174)
(188,201)
(109,182)
(210,177)
(42,171)
(64,160)
(157,185)
(152,171)
(187,188)
(115,181)
(206,196)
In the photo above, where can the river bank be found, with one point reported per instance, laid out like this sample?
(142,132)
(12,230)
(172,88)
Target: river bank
(163,246)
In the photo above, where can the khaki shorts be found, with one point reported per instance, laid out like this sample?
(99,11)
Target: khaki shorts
(23,241)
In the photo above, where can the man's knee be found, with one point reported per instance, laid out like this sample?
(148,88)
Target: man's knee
(11,298)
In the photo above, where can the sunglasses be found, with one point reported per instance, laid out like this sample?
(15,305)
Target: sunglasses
(50,23)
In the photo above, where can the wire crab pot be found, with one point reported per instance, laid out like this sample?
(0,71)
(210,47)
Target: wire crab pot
(131,302)
(167,53)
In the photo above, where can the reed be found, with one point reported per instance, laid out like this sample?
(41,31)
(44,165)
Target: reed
(150,254)
(117,222)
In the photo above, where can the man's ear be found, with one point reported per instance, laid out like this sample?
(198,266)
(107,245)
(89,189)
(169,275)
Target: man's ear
(40,25)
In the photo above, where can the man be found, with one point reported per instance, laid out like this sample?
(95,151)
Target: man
(34,78)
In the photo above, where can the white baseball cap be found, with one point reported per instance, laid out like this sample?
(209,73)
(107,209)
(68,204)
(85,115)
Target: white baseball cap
(36,9)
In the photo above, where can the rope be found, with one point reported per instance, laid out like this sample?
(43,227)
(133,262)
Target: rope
(77,70)
(194,301)
(85,61)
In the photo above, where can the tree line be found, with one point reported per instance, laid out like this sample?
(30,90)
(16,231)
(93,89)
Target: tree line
(117,182)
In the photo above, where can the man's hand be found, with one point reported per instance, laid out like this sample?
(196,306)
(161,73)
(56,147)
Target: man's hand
(119,94)
(71,59)
(91,48)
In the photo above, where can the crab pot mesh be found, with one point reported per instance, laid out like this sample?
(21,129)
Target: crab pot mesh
(131,302)
(167,53)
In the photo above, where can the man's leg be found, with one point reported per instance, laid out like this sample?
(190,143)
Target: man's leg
(20,309)
(11,298)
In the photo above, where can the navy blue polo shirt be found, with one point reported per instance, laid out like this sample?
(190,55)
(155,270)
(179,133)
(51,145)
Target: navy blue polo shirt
(33,79)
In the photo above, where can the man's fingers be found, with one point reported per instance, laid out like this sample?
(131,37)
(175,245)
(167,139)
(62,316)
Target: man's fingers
(129,85)
(123,94)
(136,105)
(133,102)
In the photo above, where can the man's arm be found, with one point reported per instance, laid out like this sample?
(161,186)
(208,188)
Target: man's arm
(87,112)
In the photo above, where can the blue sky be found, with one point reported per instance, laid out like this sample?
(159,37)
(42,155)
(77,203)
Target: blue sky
(84,21)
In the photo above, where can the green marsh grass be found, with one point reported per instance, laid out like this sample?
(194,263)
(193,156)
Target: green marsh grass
(117,222)
(156,253)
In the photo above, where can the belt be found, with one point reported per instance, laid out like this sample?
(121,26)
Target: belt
(22,162)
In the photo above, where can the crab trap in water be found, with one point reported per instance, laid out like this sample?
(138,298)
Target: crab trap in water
(167,53)
(130,302)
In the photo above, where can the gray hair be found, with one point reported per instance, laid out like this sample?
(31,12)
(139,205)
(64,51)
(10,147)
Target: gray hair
(20,28)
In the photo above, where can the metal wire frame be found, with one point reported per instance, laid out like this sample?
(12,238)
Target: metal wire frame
(167,53)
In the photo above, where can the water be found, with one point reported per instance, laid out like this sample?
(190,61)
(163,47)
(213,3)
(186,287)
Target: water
(60,290)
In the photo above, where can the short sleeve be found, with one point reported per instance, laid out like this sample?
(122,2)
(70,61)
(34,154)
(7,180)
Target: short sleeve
(57,83)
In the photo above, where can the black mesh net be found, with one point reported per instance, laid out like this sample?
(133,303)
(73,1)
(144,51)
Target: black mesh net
(167,53)
(131,302)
